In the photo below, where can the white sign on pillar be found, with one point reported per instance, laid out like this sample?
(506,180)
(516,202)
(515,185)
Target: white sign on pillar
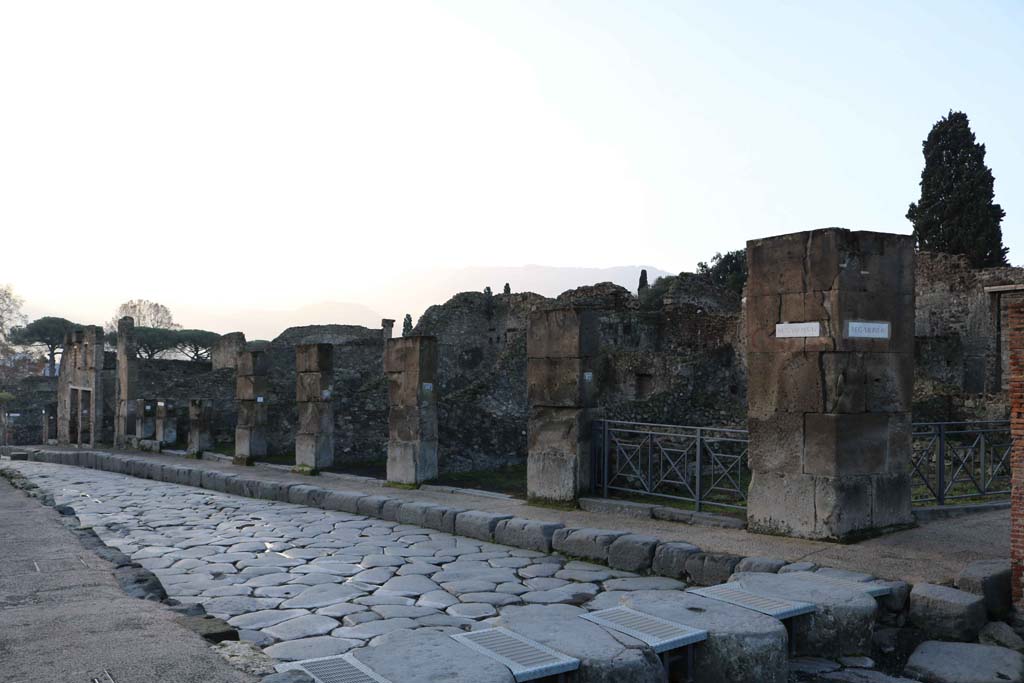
(789,330)
(867,329)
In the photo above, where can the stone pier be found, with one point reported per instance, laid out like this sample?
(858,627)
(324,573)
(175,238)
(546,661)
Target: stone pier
(145,419)
(166,422)
(411,367)
(200,417)
(314,440)
(561,345)
(1015,335)
(830,355)
(251,395)
(224,353)
(127,380)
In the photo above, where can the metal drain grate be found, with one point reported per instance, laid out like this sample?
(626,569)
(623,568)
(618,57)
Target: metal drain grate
(339,669)
(773,607)
(661,634)
(873,589)
(526,659)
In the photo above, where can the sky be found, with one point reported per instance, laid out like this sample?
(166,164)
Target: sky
(222,156)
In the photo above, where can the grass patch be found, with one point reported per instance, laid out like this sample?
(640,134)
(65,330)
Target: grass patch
(510,480)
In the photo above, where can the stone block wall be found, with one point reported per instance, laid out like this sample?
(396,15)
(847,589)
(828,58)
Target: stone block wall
(411,367)
(85,390)
(314,437)
(1015,339)
(829,399)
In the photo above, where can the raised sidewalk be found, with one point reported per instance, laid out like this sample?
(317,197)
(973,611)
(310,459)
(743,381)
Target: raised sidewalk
(934,552)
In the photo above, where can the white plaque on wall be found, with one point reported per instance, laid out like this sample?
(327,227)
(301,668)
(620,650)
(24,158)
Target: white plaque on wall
(784,330)
(867,329)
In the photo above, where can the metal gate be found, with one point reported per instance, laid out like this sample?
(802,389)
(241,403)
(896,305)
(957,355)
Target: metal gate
(954,461)
(701,465)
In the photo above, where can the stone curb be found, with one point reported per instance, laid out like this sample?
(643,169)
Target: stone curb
(619,549)
(926,514)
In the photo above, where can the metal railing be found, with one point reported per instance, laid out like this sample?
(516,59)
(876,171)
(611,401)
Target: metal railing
(960,460)
(702,465)
(951,461)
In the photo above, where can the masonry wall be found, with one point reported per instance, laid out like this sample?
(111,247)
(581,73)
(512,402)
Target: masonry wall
(1015,339)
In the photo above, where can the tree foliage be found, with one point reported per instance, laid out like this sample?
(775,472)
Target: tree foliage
(10,312)
(146,314)
(956,213)
(152,342)
(508,288)
(48,332)
(407,325)
(643,280)
(195,344)
(728,270)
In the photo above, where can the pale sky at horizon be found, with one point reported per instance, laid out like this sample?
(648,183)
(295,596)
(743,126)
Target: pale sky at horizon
(269,156)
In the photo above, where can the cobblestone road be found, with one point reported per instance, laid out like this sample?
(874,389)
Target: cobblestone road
(303,582)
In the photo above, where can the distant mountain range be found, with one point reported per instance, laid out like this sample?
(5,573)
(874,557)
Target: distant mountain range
(413,294)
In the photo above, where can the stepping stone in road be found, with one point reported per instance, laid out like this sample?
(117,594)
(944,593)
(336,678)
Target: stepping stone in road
(742,646)
(603,656)
(841,623)
(427,657)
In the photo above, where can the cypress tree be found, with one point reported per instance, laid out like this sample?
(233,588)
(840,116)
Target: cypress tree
(407,325)
(956,213)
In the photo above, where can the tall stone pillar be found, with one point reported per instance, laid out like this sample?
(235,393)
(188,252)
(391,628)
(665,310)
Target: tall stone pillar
(127,375)
(251,394)
(200,416)
(560,347)
(314,441)
(145,419)
(411,367)
(387,326)
(1015,323)
(830,358)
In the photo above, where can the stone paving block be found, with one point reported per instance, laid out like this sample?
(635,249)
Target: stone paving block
(309,648)
(591,544)
(442,518)
(389,509)
(414,512)
(1001,634)
(302,627)
(938,662)
(343,501)
(526,533)
(632,552)
(742,646)
(371,505)
(670,559)
(307,494)
(991,580)
(478,524)
(272,490)
(603,656)
(843,619)
(947,613)
(428,657)
(760,564)
(709,569)
(798,567)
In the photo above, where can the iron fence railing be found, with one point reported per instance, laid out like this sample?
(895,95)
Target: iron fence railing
(701,465)
(951,461)
(954,461)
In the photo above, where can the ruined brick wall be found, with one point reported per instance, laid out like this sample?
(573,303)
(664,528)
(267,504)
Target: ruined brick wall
(670,360)
(32,396)
(961,343)
(1015,339)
